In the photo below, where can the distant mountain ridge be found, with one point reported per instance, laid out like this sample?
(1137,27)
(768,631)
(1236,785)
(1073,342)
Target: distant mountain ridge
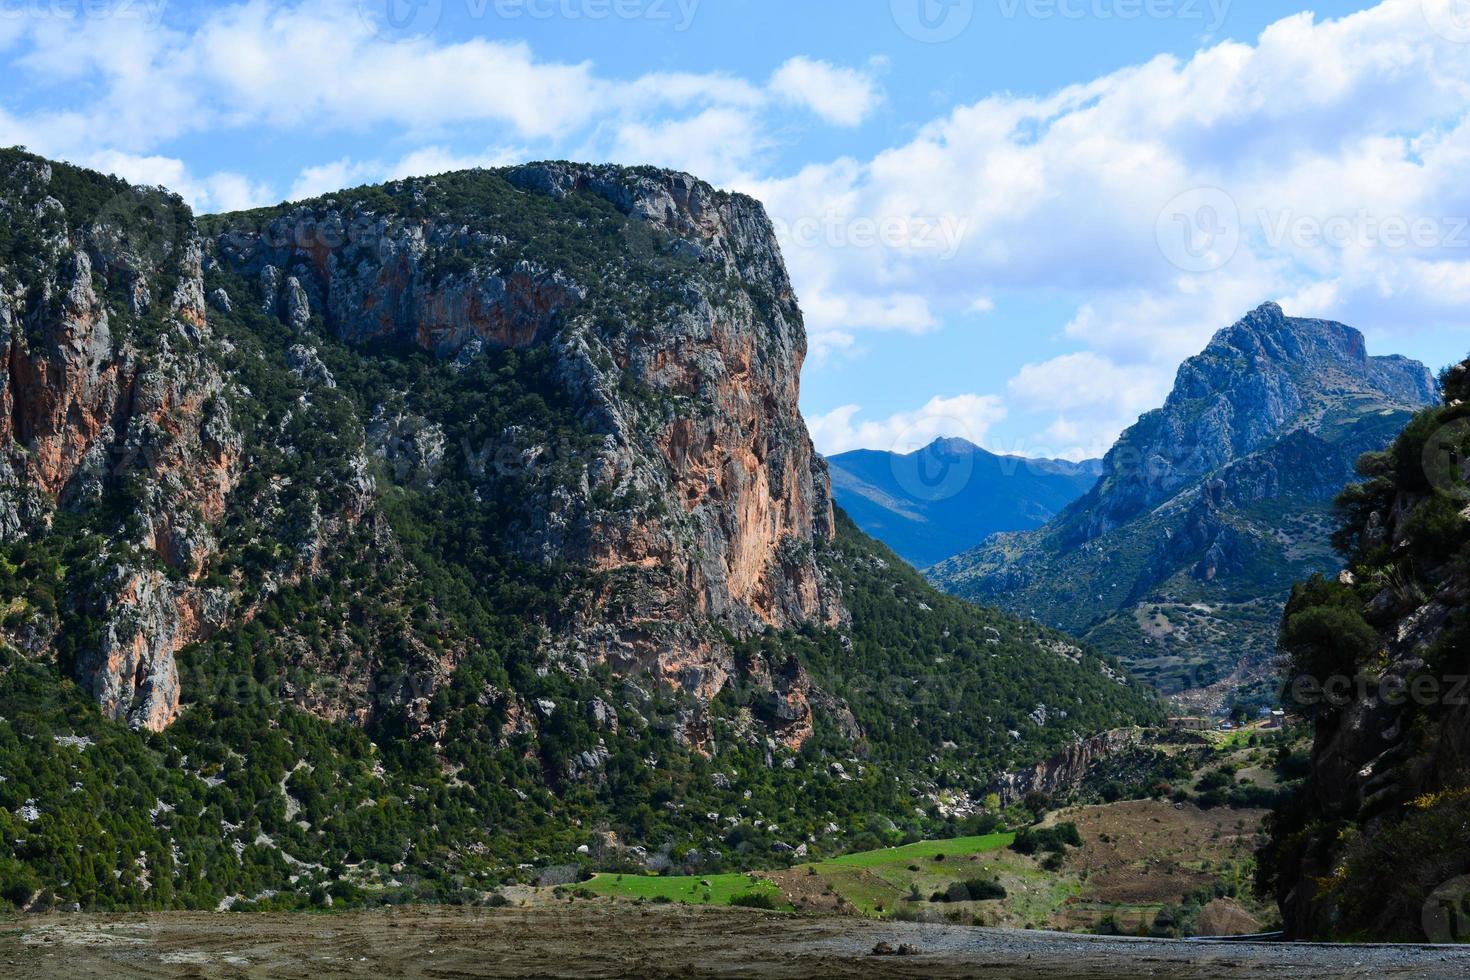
(935,502)
(1179,559)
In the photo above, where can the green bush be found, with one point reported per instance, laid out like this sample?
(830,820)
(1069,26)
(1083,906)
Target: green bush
(971,890)
(1055,840)
(985,889)
(1324,632)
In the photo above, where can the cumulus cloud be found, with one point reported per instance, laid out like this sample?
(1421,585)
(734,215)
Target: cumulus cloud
(842,96)
(1166,199)
(718,144)
(1092,399)
(219,191)
(423,162)
(965,416)
(136,85)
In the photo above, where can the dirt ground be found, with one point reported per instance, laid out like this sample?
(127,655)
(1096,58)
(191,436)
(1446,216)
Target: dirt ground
(1150,853)
(618,940)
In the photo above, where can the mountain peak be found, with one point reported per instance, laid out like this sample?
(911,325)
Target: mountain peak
(1271,415)
(949,446)
(1267,333)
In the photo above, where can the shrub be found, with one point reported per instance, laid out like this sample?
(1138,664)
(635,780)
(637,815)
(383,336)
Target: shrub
(971,890)
(985,889)
(755,900)
(1324,631)
(1050,839)
(980,824)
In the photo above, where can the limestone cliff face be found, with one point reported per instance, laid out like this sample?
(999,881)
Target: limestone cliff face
(1263,377)
(85,399)
(696,404)
(1065,771)
(662,303)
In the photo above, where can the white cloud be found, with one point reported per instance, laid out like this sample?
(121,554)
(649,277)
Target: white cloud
(1083,380)
(1090,397)
(1067,195)
(326,177)
(136,86)
(718,144)
(220,191)
(965,416)
(841,96)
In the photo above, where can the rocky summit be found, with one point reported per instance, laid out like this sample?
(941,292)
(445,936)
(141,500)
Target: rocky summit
(446,533)
(1180,558)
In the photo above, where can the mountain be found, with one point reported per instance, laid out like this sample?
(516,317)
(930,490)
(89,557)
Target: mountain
(1179,560)
(425,537)
(949,496)
(1373,846)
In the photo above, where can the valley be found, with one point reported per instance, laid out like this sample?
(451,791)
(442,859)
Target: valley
(459,542)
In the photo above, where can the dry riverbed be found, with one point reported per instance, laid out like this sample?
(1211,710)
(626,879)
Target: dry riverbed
(619,940)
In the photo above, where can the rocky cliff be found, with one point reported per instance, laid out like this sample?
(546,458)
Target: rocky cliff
(1179,559)
(681,365)
(1066,771)
(107,378)
(1379,659)
(690,399)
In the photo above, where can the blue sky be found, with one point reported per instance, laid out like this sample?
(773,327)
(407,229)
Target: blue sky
(1006,219)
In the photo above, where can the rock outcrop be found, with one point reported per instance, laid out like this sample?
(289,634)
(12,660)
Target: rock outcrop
(108,376)
(697,408)
(1065,772)
(1379,660)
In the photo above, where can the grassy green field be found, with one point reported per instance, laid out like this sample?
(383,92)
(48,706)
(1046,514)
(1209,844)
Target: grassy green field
(875,882)
(687,889)
(924,849)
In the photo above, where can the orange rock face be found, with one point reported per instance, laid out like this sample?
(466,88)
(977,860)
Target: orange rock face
(78,407)
(736,500)
(701,505)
